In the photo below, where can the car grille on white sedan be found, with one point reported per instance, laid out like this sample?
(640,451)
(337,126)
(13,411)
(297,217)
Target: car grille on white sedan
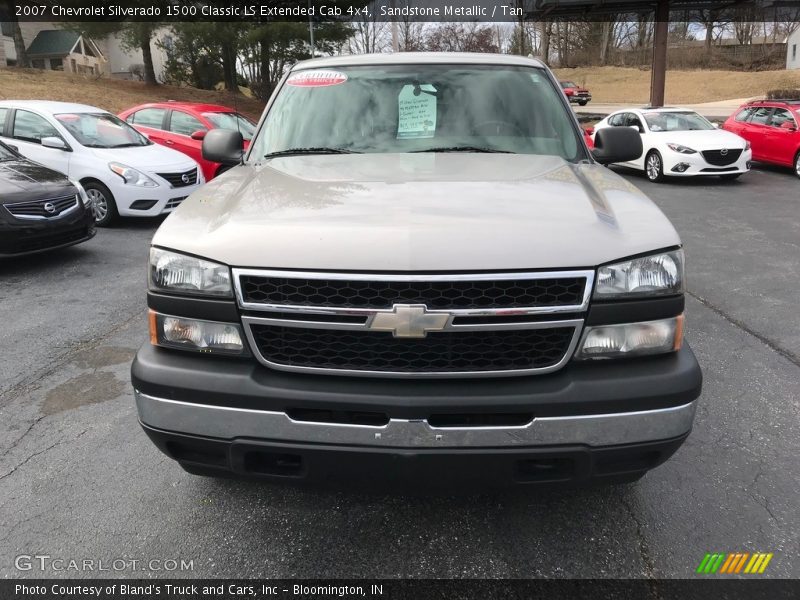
(721,158)
(177,180)
(43,209)
(413,325)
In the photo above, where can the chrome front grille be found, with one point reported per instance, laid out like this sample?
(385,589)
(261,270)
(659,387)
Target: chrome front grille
(413,325)
(177,180)
(44,209)
(455,293)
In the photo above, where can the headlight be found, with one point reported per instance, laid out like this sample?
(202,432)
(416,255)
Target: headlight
(179,273)
(85,200)
(681,149)
(654,275)
(631,339)
(195,335)
(131,176)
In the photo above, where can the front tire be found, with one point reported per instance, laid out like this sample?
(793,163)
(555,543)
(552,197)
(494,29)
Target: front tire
(654,166)
(583,102)
(105,207)
(797,164)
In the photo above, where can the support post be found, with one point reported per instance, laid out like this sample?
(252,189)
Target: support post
(658,73)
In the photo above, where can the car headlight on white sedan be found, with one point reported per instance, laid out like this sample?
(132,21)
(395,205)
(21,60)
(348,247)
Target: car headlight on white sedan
(85,200)
(653,275)
(131,176)
(681,149)
(176,273)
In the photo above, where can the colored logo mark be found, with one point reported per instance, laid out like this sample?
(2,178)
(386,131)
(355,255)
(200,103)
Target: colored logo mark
(734,562)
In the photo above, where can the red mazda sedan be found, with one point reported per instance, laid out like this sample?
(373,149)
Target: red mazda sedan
(772,128)
(183,125)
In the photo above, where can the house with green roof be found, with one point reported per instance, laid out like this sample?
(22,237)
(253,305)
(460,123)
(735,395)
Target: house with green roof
(64,50)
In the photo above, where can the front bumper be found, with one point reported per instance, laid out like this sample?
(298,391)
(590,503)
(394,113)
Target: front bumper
(22,237)
(236,416)
(695,164)
(157,200)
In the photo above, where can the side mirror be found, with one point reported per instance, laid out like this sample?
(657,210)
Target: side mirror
(54,142)
(788,125)
(223,146)
(589,130)
(200,134)
(617,144)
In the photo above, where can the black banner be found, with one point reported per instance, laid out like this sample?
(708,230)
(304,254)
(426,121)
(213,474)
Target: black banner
(166,11)
(623,589)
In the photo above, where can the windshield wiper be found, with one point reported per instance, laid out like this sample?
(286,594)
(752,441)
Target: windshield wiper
(130,145)
(465,149)
(301,151)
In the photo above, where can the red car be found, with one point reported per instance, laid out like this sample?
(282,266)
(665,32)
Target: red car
(183,125)
(771,127)
(576,93)
(587,136)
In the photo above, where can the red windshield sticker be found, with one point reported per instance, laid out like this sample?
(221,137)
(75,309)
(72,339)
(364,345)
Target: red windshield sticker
(317,78)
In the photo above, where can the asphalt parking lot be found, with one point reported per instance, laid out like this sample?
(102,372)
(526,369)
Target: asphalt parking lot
(79,479)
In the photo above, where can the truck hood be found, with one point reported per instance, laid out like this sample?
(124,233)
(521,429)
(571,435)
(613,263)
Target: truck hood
(417,212)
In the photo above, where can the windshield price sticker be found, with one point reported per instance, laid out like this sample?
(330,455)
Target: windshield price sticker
(316,78)
(416,107)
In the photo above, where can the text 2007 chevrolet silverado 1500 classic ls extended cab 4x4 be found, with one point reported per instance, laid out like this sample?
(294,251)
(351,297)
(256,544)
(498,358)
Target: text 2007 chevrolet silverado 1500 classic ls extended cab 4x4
(418,272)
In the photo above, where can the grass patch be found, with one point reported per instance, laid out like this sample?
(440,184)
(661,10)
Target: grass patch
(617,84)
(113,95)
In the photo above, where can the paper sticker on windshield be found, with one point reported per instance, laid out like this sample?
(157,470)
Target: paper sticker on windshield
(416,106)
(316,78)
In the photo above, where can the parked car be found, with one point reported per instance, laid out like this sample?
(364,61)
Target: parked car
(41,209)
(587,137)
(123,172)
(413,275)
(681,143)
(183,125)
(576,93)
(771,128)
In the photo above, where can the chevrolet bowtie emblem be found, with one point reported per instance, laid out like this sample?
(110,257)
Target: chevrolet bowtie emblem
(409,321)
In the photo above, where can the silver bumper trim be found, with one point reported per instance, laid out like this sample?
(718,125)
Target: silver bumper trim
(592,430)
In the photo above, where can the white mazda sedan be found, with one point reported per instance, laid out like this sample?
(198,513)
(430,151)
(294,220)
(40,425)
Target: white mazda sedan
(123,172)
(682,143)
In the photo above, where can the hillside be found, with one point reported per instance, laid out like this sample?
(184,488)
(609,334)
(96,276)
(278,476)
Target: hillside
(111,94)
(608,84)
(617,84)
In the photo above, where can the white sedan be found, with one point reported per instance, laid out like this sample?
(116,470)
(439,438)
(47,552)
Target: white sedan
(123,172)
(681,143)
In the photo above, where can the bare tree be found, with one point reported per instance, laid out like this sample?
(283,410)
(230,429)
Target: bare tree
(369,35)
(461,37)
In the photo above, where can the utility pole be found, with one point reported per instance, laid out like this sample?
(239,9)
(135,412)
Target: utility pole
(659,70)
(395,33)
(311,29)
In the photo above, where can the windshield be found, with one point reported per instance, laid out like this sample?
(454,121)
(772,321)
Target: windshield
(233,121)
(101,130)
(6,154)
(420,108)
(568,84)
(676,121)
